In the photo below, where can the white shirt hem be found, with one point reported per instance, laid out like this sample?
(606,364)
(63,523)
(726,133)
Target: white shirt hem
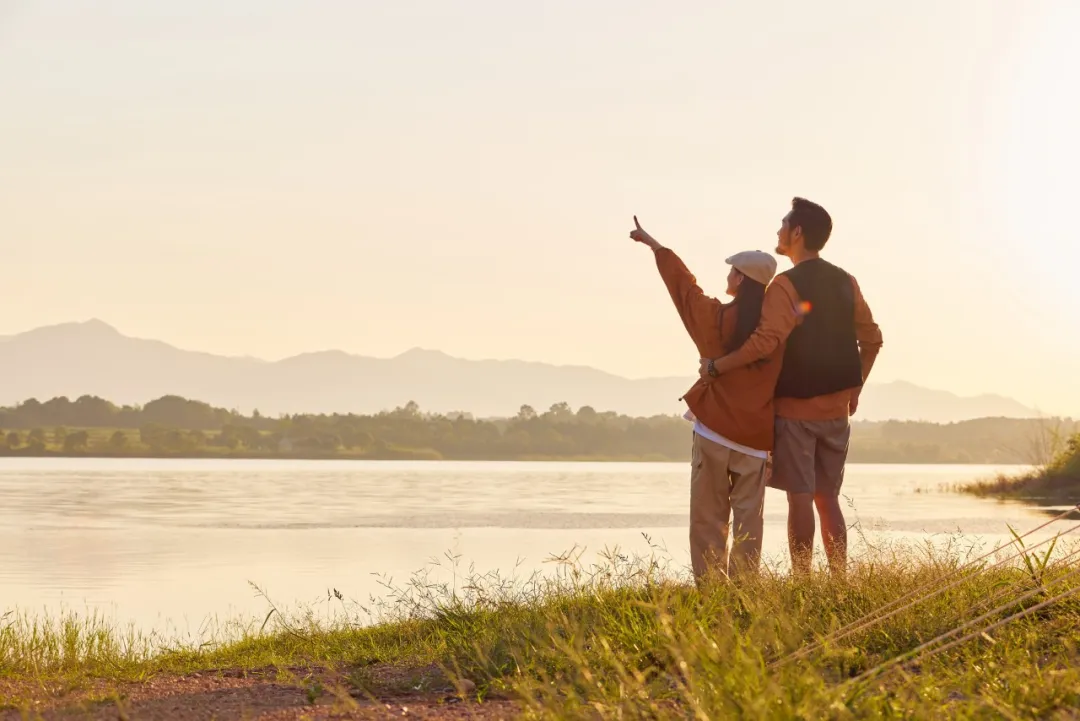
(705,432)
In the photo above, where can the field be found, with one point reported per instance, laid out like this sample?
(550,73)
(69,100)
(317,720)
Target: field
(908,633)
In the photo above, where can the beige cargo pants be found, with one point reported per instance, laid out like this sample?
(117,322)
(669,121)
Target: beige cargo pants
(725,482)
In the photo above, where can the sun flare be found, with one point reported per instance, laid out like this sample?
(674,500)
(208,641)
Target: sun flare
(1040,149)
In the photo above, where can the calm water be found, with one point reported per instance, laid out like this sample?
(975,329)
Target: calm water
(168,544)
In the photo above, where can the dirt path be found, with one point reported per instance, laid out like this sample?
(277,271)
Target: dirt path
(378,693)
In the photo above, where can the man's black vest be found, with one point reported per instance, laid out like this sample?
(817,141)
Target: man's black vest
(822,353)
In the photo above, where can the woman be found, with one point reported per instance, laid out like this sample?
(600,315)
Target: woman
(732,414)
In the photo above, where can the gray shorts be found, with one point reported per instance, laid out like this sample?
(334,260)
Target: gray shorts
(809,456)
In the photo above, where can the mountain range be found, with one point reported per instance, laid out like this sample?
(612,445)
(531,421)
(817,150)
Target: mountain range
(94,358)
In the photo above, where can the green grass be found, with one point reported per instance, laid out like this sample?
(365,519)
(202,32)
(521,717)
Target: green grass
(629,639)
(1036,487)
(1058,482)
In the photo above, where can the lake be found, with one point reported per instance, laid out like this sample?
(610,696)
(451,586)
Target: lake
(166,545)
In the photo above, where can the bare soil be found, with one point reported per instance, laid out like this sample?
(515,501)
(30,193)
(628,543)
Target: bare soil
(379,692)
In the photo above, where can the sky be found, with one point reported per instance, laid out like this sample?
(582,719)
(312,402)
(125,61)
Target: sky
(268,178)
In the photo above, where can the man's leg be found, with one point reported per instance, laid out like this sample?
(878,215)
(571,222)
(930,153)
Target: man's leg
(833,530)
(800,531)
(832,449)
(709,508)
(793,472)
(748,511)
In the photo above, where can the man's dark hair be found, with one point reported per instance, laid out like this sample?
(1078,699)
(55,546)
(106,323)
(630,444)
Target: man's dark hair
(814,220)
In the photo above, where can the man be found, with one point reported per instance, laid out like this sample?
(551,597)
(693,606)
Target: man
(831,339)
(733,417)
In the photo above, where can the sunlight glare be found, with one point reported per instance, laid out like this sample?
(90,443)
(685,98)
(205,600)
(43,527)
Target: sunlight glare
(1041,151)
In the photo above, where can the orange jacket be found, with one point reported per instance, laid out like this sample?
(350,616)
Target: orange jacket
(738,405)
(779,316)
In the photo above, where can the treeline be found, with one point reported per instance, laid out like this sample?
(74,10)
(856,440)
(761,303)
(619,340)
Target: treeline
(984,440)
(94,412)
(175,426)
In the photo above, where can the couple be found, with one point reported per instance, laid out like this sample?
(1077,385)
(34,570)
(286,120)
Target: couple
(782,367)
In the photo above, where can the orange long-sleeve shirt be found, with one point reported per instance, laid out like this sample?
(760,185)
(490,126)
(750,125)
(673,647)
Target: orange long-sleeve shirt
(699,313)
(739,405)
(780,316)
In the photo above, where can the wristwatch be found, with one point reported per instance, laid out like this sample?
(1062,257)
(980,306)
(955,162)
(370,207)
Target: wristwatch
(711,367)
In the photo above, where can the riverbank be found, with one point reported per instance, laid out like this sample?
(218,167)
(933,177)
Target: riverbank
(175,427)
(391,454)
(626,640)
(1037,487)
(423,454)
(1056,484)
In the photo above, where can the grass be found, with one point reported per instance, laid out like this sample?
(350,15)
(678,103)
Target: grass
(1055,483)
(1037,486)
(631,639)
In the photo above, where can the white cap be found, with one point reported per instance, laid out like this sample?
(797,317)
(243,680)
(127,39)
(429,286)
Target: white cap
(754,264)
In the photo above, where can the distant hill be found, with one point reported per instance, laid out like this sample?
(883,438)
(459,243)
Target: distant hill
(94,358)
(903,401)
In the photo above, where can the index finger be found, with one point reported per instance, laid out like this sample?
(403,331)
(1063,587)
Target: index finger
(637,223)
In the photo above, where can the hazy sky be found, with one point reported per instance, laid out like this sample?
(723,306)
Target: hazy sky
(269,177)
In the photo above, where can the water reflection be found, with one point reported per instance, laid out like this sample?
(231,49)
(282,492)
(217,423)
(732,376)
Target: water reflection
(158,541)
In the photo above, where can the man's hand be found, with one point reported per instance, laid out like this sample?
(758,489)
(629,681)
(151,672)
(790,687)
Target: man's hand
(853,404)
(639,234)
(706,370)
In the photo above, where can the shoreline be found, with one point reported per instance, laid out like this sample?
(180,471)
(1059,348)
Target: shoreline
(488,650)
(1033,489)
(1055,484)
(431,456)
